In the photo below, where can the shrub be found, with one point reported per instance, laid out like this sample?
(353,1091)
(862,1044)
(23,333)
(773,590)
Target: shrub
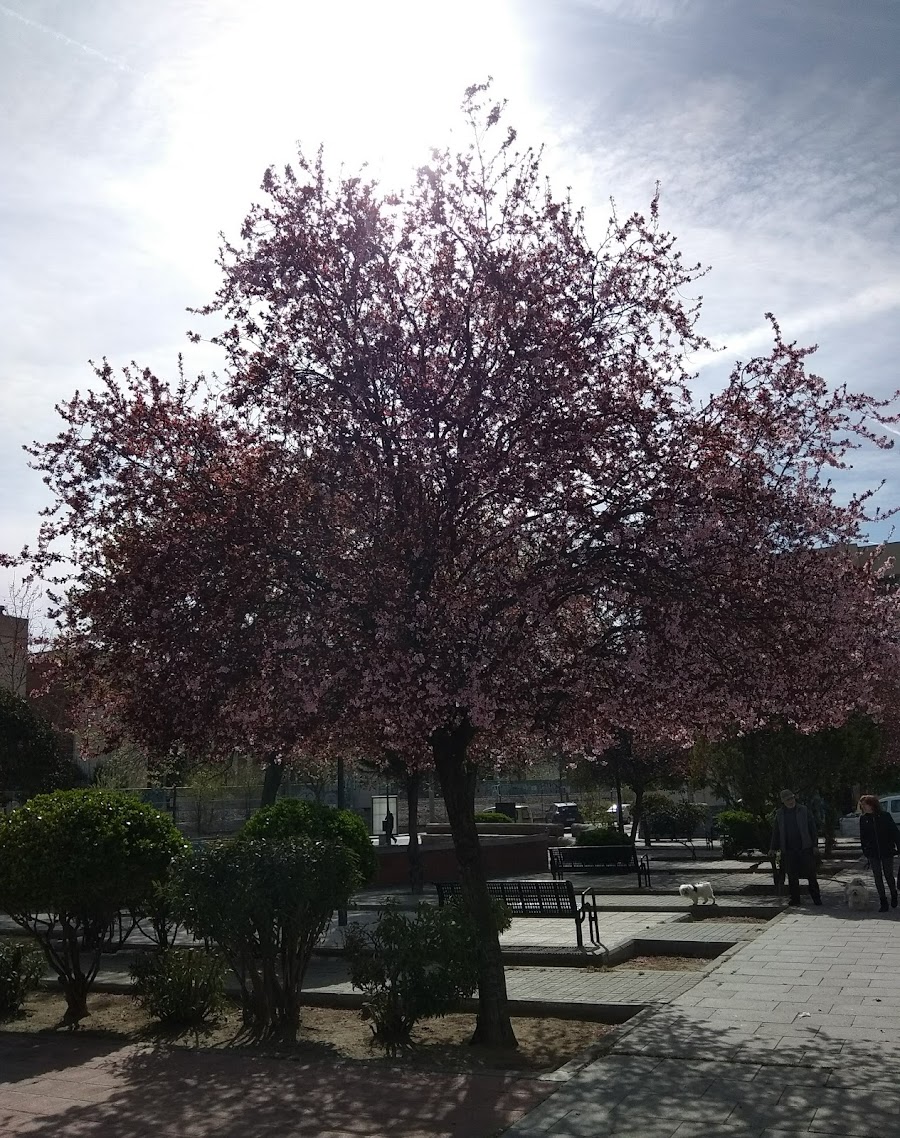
(295,818)
(71,863)
(179,986)
(414,966)
(667,817)
(742,832)
(265,903)
(21,969)
(601,836)
(492,816)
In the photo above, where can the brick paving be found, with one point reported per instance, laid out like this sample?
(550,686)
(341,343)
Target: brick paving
(86,1088)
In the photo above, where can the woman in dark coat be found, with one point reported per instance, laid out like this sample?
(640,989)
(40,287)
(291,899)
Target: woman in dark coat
(880,840)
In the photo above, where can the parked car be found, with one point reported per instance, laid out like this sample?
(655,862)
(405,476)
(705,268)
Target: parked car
(564,814)
(891,804)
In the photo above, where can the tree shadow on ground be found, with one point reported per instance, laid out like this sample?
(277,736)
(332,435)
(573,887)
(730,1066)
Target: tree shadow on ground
(142,1092)
(27,1056)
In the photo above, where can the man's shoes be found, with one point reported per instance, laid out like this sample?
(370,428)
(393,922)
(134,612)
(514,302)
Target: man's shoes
(893,900)
(817,900)
(883,907)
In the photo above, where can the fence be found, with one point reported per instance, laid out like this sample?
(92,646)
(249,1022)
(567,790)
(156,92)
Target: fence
(202,812)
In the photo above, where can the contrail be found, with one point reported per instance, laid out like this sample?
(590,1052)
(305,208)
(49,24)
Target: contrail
(117,63)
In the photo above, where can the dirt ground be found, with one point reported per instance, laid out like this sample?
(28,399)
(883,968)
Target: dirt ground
(664,963)
(441,1044)
(655,964)
(734,920)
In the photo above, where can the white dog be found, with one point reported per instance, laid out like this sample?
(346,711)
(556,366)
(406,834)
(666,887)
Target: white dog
(695,892)
(856,893)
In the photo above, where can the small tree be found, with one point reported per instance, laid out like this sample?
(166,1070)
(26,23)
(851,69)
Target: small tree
(266,903)
(30,757)
(414,967)
(21,969)
(71,863)
(454,484)
(296,818)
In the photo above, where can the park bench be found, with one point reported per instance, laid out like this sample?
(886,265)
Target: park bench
(688,844)
(537,899)
(601,860)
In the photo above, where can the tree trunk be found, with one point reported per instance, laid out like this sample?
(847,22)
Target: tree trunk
(271,782)
(637,814)
(414,850)
(619,818)
(76,1002)
(493,1027)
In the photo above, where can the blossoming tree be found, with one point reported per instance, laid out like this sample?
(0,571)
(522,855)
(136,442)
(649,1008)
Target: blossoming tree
(453,490)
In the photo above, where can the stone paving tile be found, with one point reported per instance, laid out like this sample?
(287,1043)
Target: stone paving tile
(787,1046)
(564,985)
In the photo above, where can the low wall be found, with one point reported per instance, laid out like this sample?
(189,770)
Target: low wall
(502,857)
(504,829)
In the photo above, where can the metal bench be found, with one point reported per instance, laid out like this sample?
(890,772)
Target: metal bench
(536,899)
(601,860)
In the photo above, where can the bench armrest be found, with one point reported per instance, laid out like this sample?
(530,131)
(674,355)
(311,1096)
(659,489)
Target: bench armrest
(588,909)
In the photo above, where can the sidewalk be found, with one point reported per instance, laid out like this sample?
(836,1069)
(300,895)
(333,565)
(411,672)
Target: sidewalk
(90,1088)
(797,1032)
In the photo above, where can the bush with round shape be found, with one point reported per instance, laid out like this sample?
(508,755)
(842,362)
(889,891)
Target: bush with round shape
(602,836)
(265,903)
(492,816)
(297,818)
(414,966)
(742,832)
(74,866)
(669,818)
(181,987)
(21,968)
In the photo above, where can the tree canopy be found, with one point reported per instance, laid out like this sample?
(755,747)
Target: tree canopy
(31,759)
(454,489)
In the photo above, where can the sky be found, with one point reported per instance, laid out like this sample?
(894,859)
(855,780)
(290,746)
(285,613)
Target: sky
(131,134)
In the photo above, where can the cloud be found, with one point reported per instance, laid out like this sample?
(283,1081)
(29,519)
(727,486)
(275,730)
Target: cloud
(869,302)
(118,64)
(652,12)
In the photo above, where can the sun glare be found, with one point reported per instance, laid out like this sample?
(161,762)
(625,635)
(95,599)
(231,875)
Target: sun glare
(374,81)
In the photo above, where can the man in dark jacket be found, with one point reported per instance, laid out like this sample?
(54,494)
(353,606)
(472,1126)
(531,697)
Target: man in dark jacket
(794,835)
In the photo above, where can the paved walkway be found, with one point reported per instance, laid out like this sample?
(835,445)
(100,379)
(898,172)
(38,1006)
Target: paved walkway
(326,982)
(796,1032)
(87,1088)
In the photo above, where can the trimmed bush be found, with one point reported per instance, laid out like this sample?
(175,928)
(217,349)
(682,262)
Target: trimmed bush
(21,968)
(71,864)
(414,967)
(179,986)
(742,832)
(601,836)
(492,816)
(295,818)
(266,903)
(672,818)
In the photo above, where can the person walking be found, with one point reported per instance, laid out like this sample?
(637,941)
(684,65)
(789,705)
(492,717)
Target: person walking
(388,826)
(880,840)
(794,836)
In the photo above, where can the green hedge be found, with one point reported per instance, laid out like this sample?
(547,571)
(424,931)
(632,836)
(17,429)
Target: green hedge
(492,816)
(743,832)
(84,857)
(296,818)
(601,836)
